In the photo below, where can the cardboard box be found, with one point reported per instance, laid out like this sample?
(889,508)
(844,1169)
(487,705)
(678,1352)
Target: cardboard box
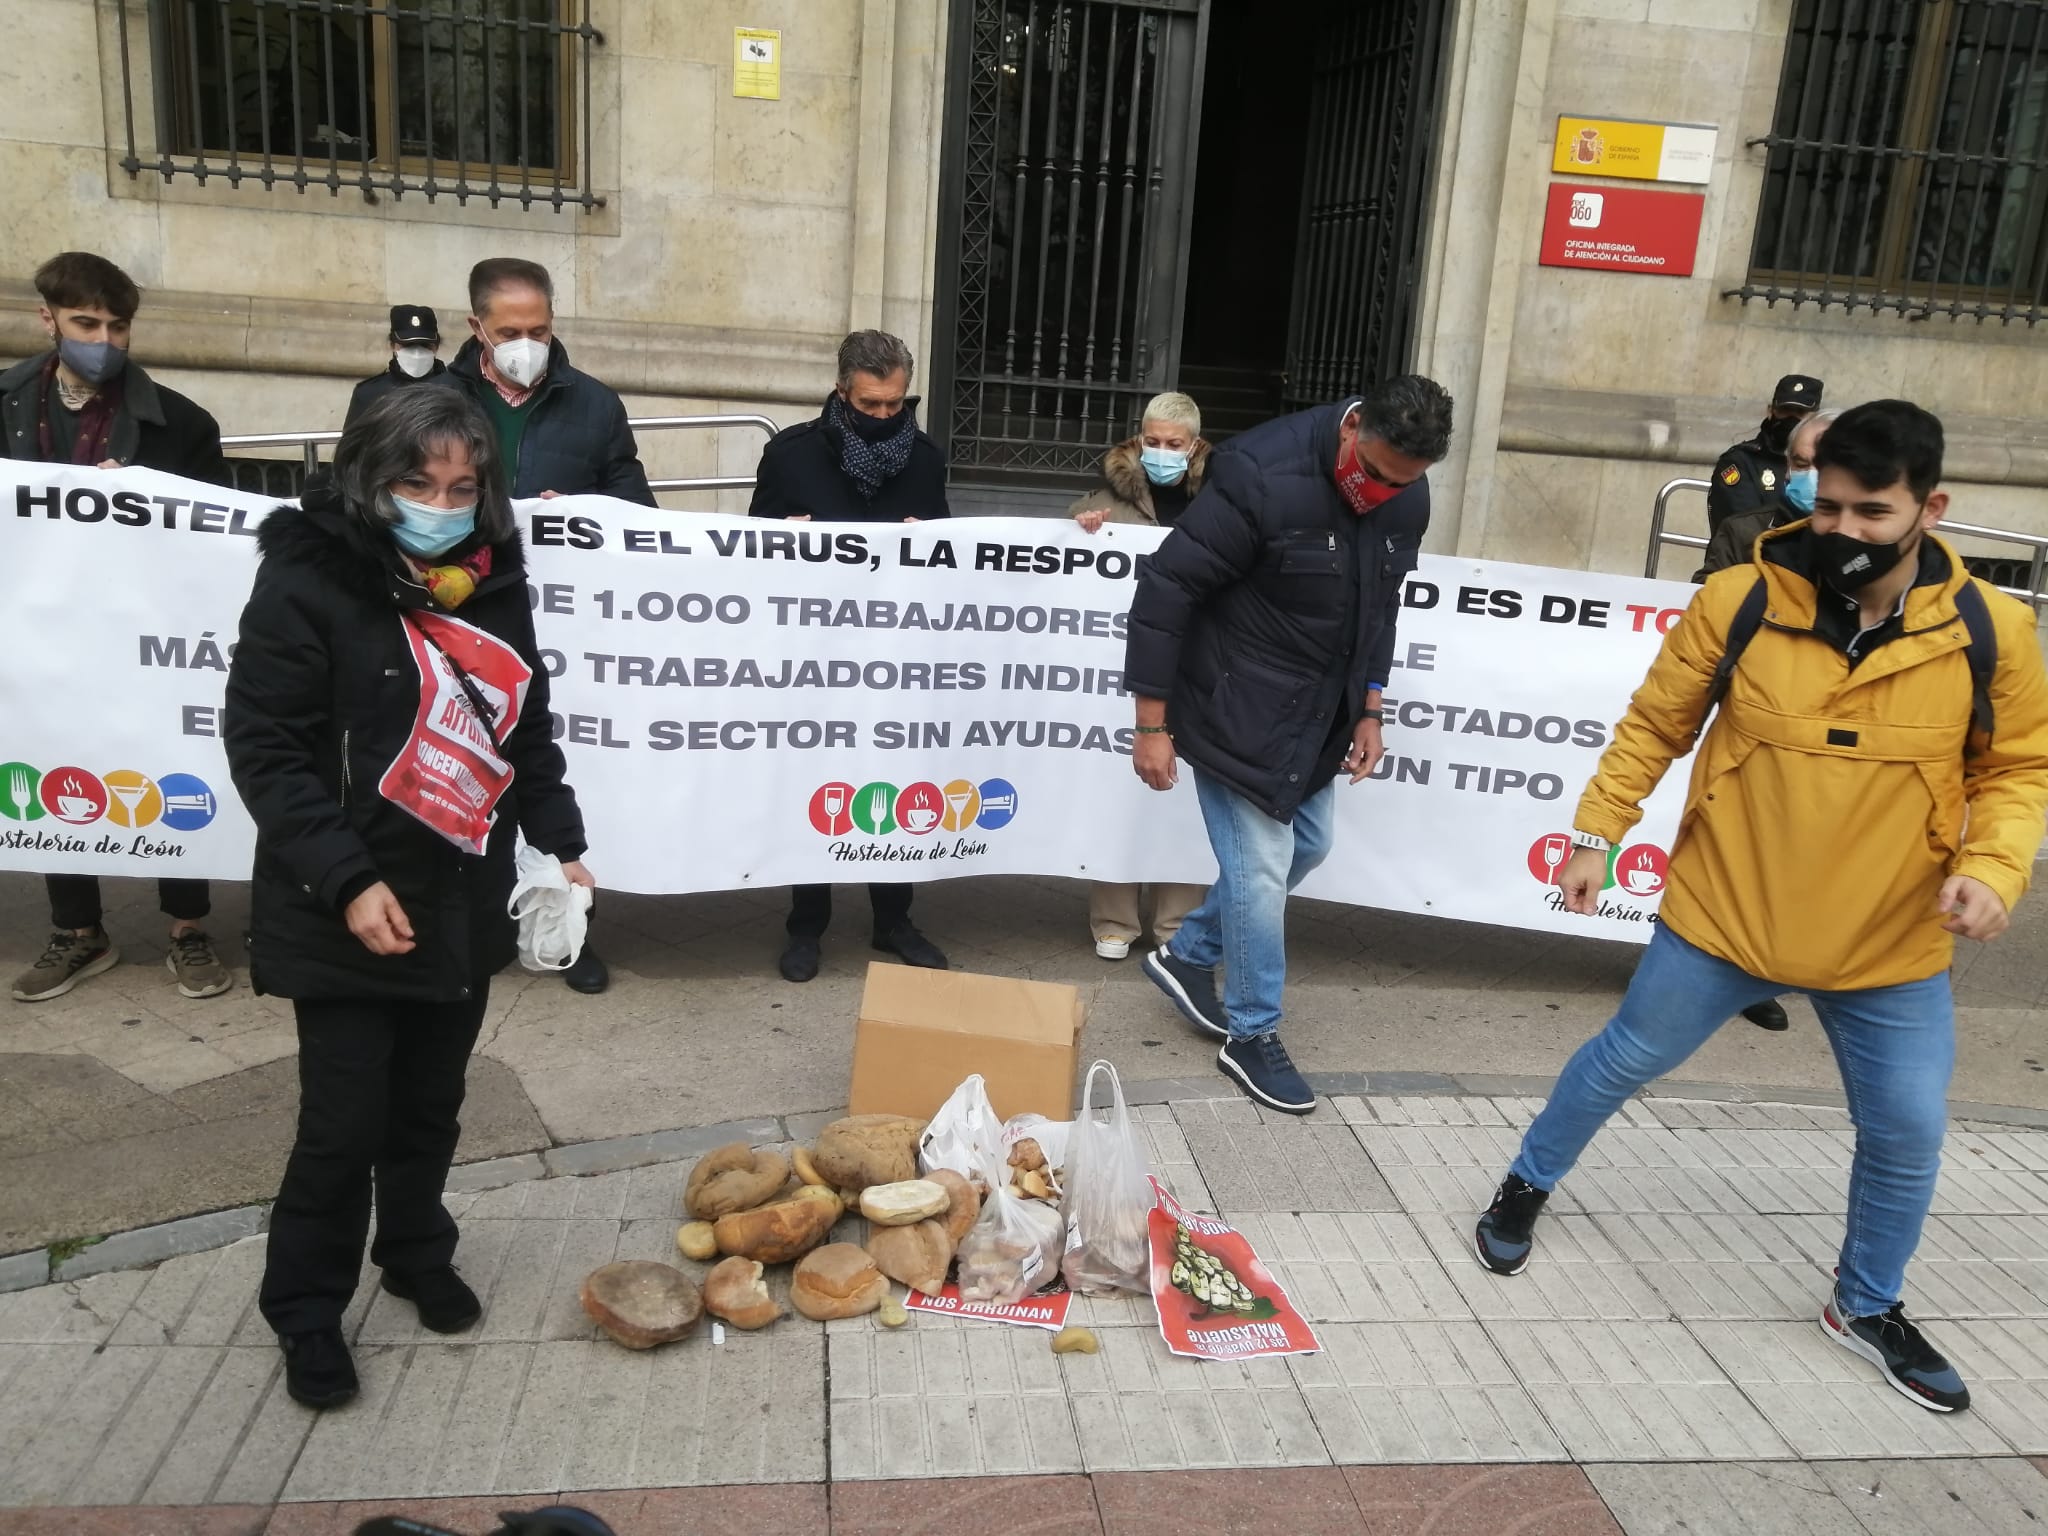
(921,1032)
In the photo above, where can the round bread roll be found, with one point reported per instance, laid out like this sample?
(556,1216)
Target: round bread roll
(917,1256)
(640,1303)
(837,1280)
(735,1292)
(904,1202)
(964,1203)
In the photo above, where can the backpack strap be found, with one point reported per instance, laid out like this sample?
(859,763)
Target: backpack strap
(1742,629)
(1982,652)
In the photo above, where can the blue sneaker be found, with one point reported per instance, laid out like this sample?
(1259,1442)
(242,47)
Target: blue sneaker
(1189,988)
(1914,1367)
(1264,1070)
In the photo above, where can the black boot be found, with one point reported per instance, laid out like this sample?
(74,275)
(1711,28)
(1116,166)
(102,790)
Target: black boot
(317,1369)
(911,947)
(446,1303)
(589,975)
(799,957)
(1769,1014)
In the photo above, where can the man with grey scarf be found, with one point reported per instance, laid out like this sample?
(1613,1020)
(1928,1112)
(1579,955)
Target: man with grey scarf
(862,460)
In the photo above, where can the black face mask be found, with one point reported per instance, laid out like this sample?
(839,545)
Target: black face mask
(879,429)
(1776,433)
(1849,565)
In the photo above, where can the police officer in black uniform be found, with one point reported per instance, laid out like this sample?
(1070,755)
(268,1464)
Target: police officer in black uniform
(415,358)
(1751,473)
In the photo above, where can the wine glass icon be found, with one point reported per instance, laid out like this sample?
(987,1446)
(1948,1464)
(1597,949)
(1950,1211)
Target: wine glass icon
(1555,848)
(835,806)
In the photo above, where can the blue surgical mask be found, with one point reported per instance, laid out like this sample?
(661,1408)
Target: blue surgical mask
(93,361)
(428,531)
(1799,488)
(1164,466)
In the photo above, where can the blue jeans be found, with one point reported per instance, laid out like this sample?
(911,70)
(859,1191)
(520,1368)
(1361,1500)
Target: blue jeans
(1895,1047)
(1241,923)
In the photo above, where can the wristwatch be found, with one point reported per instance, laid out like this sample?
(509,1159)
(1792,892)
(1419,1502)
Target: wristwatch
(1373,714)
(1588,840)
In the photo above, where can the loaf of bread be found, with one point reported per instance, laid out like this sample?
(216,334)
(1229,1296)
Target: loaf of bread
(735,1292)
(837,1280)
(867,1149)
(640,1303)
(963,1203)
(901,1203)
(917,1256)
(734,1178)
(785,1230)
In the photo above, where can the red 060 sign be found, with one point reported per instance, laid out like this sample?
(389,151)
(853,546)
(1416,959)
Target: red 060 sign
(1622,229)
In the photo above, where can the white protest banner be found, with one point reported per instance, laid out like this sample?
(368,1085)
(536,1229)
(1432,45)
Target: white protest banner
(753,703)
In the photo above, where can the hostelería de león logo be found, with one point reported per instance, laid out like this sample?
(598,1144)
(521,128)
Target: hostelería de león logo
(1634,869)
(69,797)
(909,823)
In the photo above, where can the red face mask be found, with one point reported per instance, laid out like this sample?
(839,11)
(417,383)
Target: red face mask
(1360,490)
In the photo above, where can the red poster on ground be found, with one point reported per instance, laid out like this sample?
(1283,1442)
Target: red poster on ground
(1216,1300)
(1045,1311)
(1622,229)
(450,774)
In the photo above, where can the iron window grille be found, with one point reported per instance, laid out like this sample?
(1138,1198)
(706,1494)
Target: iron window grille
(1908,161)
(484,99)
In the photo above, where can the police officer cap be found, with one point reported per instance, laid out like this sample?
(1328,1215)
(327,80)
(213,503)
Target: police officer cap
(1797,389)
(416,322)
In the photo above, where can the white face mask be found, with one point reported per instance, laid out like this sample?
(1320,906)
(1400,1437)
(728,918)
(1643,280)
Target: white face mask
(416,362)
(522,361)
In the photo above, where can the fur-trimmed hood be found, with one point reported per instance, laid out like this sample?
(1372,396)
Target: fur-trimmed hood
(1124,470)
(323,534)
(1125,495)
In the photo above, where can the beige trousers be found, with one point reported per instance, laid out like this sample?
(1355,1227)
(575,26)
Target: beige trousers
(1117,911)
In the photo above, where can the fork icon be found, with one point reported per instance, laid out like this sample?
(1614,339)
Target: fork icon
(19,805)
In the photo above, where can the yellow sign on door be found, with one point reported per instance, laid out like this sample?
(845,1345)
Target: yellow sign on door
(1603,146)
(757,64)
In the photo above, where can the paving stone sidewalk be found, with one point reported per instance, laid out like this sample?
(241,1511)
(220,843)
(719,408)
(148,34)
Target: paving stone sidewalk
(1669,1318)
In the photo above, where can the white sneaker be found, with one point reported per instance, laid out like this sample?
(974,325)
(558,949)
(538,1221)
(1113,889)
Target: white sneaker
(1113,949)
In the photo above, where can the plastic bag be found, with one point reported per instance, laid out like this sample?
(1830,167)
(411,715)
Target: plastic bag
(553,911)
(1109,1199)
(966,1136)
(1012,1250)
(1053,1137)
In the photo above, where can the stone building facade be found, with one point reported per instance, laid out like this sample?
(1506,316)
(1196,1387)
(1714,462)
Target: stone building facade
(732,240)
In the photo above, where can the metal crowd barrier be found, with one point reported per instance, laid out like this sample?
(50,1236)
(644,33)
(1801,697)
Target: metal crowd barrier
(2035,591)
(309,445)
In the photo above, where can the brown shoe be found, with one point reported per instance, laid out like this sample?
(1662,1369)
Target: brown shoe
(66,961)
(197,967)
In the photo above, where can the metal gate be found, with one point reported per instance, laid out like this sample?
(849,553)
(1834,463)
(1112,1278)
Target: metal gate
(1372,132)
(1070,149)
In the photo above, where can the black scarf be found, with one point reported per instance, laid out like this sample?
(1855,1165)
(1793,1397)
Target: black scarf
(872,450)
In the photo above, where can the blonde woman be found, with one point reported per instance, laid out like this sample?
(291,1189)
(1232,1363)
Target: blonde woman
(1148,479)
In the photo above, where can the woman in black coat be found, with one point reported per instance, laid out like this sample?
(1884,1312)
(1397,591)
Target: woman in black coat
(387,727)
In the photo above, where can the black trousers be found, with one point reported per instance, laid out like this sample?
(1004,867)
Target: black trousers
(810,908)
(380,1087)
(75,900)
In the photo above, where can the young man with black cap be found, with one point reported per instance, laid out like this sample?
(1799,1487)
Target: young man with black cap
(1870,788)
(415,358)
(1752,472)
(84,402)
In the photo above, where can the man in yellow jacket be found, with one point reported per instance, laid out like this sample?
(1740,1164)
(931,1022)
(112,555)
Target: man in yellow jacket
(1872,786)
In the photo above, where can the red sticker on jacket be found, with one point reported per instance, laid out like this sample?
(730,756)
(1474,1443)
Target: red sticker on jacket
(450,775)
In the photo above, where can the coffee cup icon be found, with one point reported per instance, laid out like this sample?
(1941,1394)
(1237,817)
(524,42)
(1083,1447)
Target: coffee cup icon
(920,818)
(1643,881)
(77,807)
